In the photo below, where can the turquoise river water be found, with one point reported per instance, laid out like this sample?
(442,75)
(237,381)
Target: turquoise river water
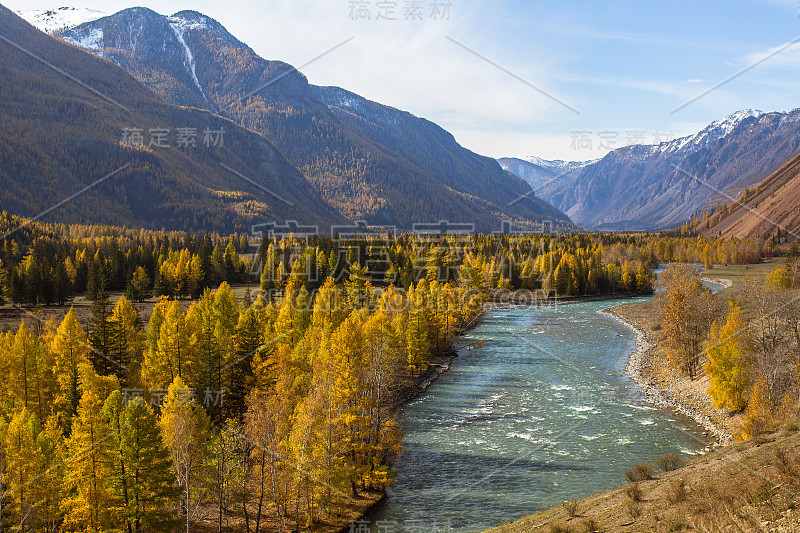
(541,414)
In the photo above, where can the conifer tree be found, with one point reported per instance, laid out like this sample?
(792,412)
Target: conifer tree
(97,281)
(330,306)
(23,464)
(88,503)
(269,282)
(154,368)
(249,339)
(217,266)
(126,342)
(195,277)
(4,292)
(50,445)
(70,349)
(417,341)
(174,348)
(142,482)
(225,307)
(185,429)
(348,397)
(139,288)
(100,337)
(31,382)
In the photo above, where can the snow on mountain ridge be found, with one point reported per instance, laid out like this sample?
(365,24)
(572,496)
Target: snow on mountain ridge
(557,163)
(59,19)
(200,22)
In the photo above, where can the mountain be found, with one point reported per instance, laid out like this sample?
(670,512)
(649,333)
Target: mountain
(59,19)
(661,186)
(370,161)
(63,152)
(543,175)
(772,208)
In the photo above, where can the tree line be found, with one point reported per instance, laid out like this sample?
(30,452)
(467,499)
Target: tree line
(47,264)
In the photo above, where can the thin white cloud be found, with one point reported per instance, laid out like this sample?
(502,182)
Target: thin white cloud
(786,55)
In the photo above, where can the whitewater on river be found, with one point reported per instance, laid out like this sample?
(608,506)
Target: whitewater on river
(540,414)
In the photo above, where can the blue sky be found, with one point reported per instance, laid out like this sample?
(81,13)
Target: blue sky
(528,77)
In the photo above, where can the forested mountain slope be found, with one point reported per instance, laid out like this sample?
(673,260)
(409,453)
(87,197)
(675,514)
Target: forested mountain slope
(64,113)
(370,161)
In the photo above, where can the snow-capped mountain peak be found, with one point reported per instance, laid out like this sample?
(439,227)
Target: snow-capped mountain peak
(189,20)
(733,120)
(660,186)
(542,174)
(59,19)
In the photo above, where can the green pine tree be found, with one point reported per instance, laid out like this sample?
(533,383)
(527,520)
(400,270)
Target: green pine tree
(142,483)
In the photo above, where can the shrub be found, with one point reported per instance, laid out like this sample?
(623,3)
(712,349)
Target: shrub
(677,492)
(639,472)
(571,508)
(634,509)
(590,525)
(634,492)
(559,527)
(669,462)
(785,467)
(676,524)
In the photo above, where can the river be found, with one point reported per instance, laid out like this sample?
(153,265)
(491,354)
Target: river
(541,414)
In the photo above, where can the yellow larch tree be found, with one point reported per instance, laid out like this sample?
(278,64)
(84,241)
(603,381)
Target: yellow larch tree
(88,503)
(727,351)
(70,348)
(185,428)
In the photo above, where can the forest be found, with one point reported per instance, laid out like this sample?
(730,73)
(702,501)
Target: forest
(265,412)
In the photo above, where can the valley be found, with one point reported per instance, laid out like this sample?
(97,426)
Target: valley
(251,282)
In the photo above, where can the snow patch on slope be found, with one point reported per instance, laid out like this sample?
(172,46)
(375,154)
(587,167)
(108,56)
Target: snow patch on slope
(200,23)
(62,18)
(178,26)
(88,39)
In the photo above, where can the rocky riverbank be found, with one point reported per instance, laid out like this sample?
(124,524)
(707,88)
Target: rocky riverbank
(638,368)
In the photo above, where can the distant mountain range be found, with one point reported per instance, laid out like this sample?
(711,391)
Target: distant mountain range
(544,176)
(330,154)
(369,161)
(661,186)
(64,153)
(770,209)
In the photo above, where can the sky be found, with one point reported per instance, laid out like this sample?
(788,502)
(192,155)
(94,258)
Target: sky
(557,80)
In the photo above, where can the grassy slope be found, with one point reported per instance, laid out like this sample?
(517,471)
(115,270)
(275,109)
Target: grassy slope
(743,484)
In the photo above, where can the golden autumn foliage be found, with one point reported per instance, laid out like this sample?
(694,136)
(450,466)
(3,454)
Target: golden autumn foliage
(727,351)
(760,412)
